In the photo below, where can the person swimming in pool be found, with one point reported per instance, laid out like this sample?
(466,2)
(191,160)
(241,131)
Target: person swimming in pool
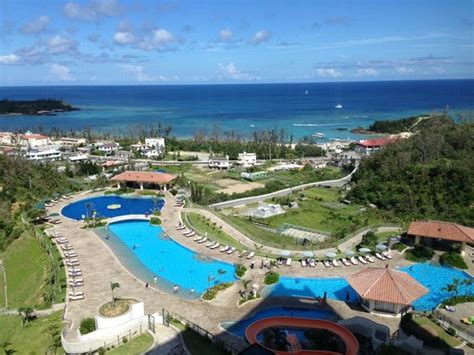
(191,291)
(175,289)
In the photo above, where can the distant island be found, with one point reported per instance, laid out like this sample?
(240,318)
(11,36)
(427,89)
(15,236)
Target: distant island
(392,126)
(47,107)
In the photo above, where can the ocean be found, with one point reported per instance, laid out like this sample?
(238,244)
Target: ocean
(301,109)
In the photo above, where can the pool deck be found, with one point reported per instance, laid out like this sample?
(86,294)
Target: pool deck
(100,267)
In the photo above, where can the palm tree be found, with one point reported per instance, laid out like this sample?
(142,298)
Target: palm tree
(26,314)
(468,284)
(54,335)
(275,339)
(113,286)
(452,288)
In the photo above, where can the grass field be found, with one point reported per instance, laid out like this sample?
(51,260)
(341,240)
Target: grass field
(436,330)
(137,346)
(33,338)
(2,288)
(201,225)
(26,265)
(197,344)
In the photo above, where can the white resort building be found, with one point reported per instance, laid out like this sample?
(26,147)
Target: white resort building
(221,163)
(247,160)
(266,211)
(43,155)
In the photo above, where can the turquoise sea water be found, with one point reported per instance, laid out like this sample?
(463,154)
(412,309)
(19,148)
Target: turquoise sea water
(242,108)
(172,263)
(128,205)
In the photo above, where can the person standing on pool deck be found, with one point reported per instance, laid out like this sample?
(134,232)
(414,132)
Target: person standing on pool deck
(146,285)
(155,280)
(191,291)
(175,289)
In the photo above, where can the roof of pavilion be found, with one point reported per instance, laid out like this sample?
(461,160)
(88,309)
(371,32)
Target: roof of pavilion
(386,285)
(442,230)
(151,177)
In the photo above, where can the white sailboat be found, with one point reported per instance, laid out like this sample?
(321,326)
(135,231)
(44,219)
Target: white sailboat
(338,106)
(306,92)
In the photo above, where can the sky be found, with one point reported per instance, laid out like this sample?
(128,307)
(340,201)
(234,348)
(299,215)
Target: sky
(152,42)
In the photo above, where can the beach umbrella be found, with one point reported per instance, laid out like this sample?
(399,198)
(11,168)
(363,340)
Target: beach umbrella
(54,214)
(40,206)
(349,253)
(381,247)
(285,253)
(309,254)
(364,250)
(331,255)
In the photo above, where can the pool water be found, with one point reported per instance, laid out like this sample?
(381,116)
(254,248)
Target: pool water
(435,278)
(168,261)
(335,288)
(128,205)
(238,328)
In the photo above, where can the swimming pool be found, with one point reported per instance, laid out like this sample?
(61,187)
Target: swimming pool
(336,288)
(238,328)
(128,205)
(146,249)
(435,278)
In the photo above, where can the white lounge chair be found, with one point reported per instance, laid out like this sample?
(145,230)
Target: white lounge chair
(370,259)
(326,263)
(76,283)
(230,251)
(202,240)
(74,269)
(75,273)
(362,259)
(345,262)
(251,255)
(312,262)
(70,255)
(76,263)
(215,246)
(380,257)
(72,260)
(303,262)
(76,298)
(224,249)
(335,263)
(242,253)
(210,243)
(354,261)
(198,238)
(387,255)
(288,262)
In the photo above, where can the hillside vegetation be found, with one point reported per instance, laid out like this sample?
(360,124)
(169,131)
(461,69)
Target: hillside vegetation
(429,175)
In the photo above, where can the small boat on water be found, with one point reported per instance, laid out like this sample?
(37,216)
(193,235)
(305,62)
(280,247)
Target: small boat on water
(338,106)
(252,125)
(318,135)
(306,92)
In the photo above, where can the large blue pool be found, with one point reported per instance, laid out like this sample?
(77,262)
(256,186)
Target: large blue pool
(238,328)
(435,278)
(335,288)
(128,205)
(150,253)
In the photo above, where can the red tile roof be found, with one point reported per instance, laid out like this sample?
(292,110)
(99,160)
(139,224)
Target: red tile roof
(145,176)
(442,230)
(386,285)
(376,142)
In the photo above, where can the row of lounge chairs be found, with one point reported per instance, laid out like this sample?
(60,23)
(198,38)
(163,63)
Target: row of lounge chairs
(364,260)
(188,233)
(55,201)
(72,263)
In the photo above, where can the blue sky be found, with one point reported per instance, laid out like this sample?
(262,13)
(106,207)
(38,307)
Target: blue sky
(96,42)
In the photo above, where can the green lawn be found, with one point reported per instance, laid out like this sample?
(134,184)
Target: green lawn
(2,289)
(436,330)
(34,338)
(137,345)
(383,236)
(201,225)
(197,344)
(27,268)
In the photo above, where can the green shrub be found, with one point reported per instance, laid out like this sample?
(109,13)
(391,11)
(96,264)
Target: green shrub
(451,331)
(419,253)
(124,340)
(453,259)
(240,270)
(87,326)
(155,221)
(211,293)
(458,299)
(174,192)
(101,351)
(271,278)
(399,246)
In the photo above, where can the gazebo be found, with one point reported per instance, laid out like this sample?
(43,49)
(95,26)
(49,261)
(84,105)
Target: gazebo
(141,178)
(438,230)
(386,290)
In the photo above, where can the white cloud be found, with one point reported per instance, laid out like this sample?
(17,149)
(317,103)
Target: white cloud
(225,35)
(367,72)
(36,26)
(404,70)
(61,45)
(230,71)
(162,36)
(137,71)
(9,59)
(328,73)
(160,39)
(124,37)
(60,72)
(93,10)
(260,37)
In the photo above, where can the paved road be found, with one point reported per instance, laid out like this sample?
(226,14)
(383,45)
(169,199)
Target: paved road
(246,200)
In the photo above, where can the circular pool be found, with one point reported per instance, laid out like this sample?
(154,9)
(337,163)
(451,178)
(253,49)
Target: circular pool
(98,206)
